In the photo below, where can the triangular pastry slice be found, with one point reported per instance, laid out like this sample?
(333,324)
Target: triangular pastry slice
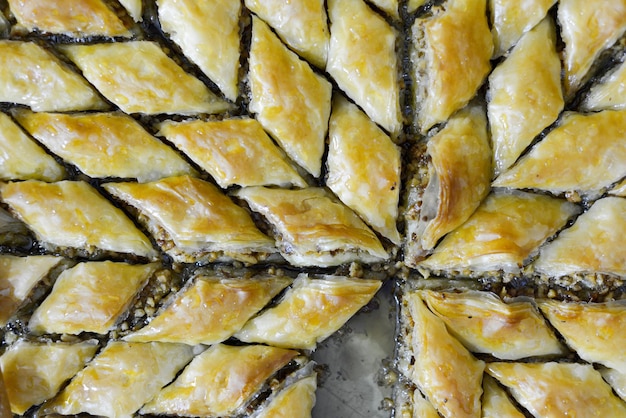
(525,94)
(210,309)
(21,158)
(593,330)
(496,403)
(22,67)
(485,324)
(364,167)
(296,401)
(134,8)
(511,19)
(443,369)
(208,34)
(586,153)
(90,297)
(213,226)
(313,228)
(421,407)
(450,57)
(75,19)
(362,60)
(609,92)
(104,144)
(502,234)
(35,372)
(559,389)
(294,107)
(594,244)
(302,24)
(71,216)
(233,151)
(139,77)
(587,29)
(121,379)
(18,277)
(459,171)
(219,381)
(310,311)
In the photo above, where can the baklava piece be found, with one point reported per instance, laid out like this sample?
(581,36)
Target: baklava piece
(310,311)
(220,381)
(595,244)
(609,92)
(208,34)
(587,29)
(450,55)
(525,94)
(18,277)
(104,145)
(300,24)
(21,158)
(140,78)
(193,221)
(35,372)
(362,60)
(293,107)
(90,297)
(593,330)
(485,324)
(559,389)
(364,168)
(572,159)
(73,18)
(296,401)
(501,235)
(233,151)
(496,403)
(421,407)
(34,77)
(511,19)
(73,218)
(441,367)
(313,228)
(458,171)
(211,309)
(121,379)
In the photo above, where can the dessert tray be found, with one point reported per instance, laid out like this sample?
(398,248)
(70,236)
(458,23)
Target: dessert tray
(340,208)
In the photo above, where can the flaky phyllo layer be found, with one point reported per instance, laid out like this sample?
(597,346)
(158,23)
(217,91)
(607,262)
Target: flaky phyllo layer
(195,194)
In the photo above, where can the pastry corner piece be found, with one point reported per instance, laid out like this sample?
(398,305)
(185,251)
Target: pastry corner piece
(442,368)
(310,311)
(72,217)
(213,227)
(363,61)
(118,71)
(450,59)
(313,228)
(452,177)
